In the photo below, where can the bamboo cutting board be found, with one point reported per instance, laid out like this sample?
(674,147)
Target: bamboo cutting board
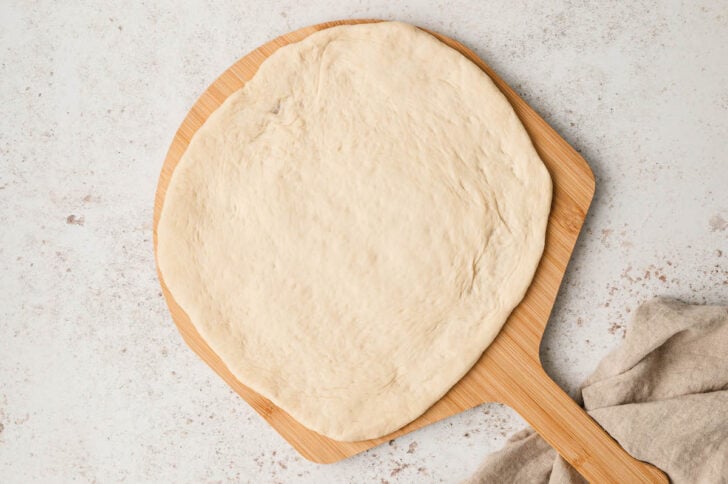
(509,371)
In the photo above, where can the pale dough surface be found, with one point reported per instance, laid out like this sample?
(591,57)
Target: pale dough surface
(350,230)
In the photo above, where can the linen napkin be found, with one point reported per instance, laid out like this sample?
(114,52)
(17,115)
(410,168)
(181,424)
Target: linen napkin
(663,395)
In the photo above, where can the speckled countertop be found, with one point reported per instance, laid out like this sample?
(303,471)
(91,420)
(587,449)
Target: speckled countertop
(96,383)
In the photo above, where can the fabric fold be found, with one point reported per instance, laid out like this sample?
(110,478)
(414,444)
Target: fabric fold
(663,395)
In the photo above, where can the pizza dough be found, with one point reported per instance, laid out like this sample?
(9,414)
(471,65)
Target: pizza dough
(350,230)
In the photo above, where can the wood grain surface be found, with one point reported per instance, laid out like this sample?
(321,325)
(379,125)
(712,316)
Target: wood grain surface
(509,371)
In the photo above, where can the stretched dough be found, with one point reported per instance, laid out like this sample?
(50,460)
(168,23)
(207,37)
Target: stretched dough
(351,229)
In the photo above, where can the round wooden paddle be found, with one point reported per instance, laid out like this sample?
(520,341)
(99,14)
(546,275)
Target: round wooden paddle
(509,371)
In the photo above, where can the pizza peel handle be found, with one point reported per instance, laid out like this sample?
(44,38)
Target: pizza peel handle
(522,384)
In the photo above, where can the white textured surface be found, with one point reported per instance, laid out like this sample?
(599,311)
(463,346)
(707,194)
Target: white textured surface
(95,382)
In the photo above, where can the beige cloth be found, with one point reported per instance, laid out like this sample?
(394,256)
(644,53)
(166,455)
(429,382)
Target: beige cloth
(663,395)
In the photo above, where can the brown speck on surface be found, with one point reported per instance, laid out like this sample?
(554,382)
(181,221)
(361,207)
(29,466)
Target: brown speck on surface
(579,322)
(283,466)
(466,434)
(391,442)
(412,448)
(19,421)
(626,274)
(663,278)
(73,220)
(605,235)
(647,275)
(614,328)
(717,223)
(718,252)
(399,468)
(422,470)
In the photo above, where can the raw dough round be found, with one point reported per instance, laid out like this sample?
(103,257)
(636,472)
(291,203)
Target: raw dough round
(351,229)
